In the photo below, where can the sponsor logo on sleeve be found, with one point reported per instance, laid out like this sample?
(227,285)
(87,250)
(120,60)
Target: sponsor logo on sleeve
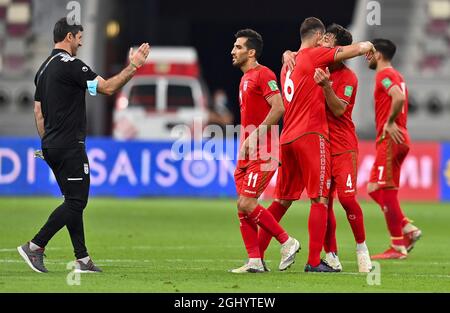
(386,82)
(348,91)
(273,85)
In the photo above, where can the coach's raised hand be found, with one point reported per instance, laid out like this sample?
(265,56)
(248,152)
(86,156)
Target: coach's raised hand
(137,59)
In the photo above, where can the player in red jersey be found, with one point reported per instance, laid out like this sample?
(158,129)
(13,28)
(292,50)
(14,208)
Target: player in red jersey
(340,89)
(261,107)
(305,151)
(340,92)
(392,143)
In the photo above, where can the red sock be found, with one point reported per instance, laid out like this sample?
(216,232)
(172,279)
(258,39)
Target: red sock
(394,216)
(264,238)
(249,232)
(355,217)
(377,196)
(265,220)
(330,244)
(317,227)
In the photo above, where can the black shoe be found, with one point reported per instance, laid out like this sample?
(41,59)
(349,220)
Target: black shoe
(321,268)
(90,267)
(266,269)
(34,259)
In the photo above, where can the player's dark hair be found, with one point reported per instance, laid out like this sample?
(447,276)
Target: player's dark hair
(342,35)
(310,26)
(62,28)
(254,40)
(386,47)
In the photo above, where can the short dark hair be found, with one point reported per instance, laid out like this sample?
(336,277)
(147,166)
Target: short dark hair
(311,25)
(254,40)
(62,28)
(342,35)
(386,47)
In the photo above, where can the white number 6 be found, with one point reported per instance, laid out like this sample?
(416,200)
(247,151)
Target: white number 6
(288,87)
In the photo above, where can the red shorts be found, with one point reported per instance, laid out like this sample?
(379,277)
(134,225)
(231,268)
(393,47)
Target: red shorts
(305,163)
(344,172)
(388,162)
(253,179)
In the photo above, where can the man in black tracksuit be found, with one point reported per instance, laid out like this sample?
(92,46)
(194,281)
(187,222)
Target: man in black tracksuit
(60,113)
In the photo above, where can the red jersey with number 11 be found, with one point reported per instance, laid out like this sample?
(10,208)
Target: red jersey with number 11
(303,97)
(257,85)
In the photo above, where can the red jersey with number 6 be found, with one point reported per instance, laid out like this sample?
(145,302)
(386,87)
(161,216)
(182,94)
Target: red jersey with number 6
(303,98)
(342,130)
(384,81)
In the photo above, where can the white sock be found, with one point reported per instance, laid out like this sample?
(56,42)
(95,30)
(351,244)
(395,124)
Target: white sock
(255,261)
(409,228)
(34,247)
(361,247)
(332,254)
(400,249)
(287,241)
(85,260)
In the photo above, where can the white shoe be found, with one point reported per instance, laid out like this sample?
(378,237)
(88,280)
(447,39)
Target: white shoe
(249,267)
(288,251)
(333,261)
(364,262)
(411,238)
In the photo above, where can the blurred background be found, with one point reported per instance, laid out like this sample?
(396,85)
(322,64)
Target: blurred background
(189,74)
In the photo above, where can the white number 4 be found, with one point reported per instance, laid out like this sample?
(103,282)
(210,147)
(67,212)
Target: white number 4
(349,181)
(252,177)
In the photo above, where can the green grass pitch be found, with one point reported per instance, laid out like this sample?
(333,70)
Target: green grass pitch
(186,245)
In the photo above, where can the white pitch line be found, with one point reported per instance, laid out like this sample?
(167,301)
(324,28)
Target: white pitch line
(99,262)
(15,249)
(117,261)
(387,262)
(140,248)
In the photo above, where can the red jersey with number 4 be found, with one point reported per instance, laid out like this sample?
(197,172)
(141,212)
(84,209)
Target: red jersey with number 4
(342,130)
(384,81)
(303,98)
(257,85)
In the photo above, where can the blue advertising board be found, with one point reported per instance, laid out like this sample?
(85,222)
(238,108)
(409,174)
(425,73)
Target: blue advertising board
(126,169)
(163,168)
(445,172)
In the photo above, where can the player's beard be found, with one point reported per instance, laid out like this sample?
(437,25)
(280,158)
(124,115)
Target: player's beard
(239,62)
(373,65)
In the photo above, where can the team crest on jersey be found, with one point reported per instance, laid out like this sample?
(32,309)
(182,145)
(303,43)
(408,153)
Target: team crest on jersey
(245,85)
(66,58)
(86,168)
